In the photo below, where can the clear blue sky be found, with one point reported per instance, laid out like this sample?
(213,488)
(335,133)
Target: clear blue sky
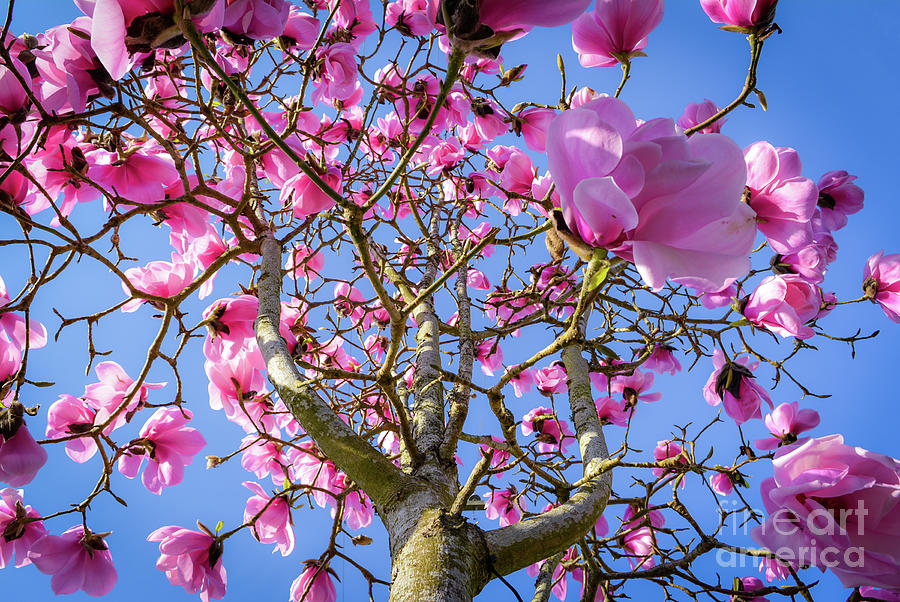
(831,83)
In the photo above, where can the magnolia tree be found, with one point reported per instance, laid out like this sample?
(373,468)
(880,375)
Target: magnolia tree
(353,191)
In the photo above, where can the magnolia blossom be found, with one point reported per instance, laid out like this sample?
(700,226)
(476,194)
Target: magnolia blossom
(668,450)
(748,584)
(192,560)
(78,560)
(270,517)
(108,395)
(552,379)
(412,17)
(305,196)
(784,201)
(71,415)
(20,455)
(740,13)
(837,506)
(783,304)
(159,278)
(18,533)
(510,18)
(663,361)
(615,30)
(522,382)
(786,422)
(639,540)
(668,203)
(167,444)
(721,483)
(552,433)
(881,283)
(505,504)
(733,384)
(838,198)
(698,112)
(314,584)
(256,19)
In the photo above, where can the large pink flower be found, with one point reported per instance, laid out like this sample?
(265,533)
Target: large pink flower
(838,198)
(77,561)
(17,532)
(733,384)
(552,433)
(167,444)
(615,30)
(505,504)
(115,385)
(160,278)
(784,201)
(273,523)
(192,560)
(741,13)
(837,505)
(786,422)
(783,304)
(668,203)
(881,283)
(313,584)
(70,415)
(20,455)
(257,19)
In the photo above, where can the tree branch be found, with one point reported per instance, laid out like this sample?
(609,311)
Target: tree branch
(368,468)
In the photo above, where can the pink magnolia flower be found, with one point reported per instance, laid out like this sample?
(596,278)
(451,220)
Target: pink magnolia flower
(304,262)
(639,540)
(522,15)
(167,444)
(505,504)
(16,330)
(337,79)
(160,278)
(358,508)
(313,584)
(734,384)
(667,203)
(522,382)
(634,387)
(263,458)
(78,560)
(826,499)
(272,522)
(615,31)
(122,28)
(698,112)
(749,584)
(256,19)
(838,198)
(719,298)
(71,415)
(612,411)
(740,13)
(809,262)
(490,356)
(20,455)
(774,569)
(721,483)
(552,379)
(230,326)
(411,17)
(18,534)
(138,174)
(786,422)
(783,304)
(881,283)
(879,594)
(784,201)
(666,450)
(308,467)
(192,560)
(552,433)
(499,457)
(109,394)
(305,197)
(300,30)
(532,126)
(662,360)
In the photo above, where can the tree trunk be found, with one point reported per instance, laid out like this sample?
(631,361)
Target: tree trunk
(444,559)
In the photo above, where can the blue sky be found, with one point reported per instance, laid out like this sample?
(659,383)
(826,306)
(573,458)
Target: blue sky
(831,86)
